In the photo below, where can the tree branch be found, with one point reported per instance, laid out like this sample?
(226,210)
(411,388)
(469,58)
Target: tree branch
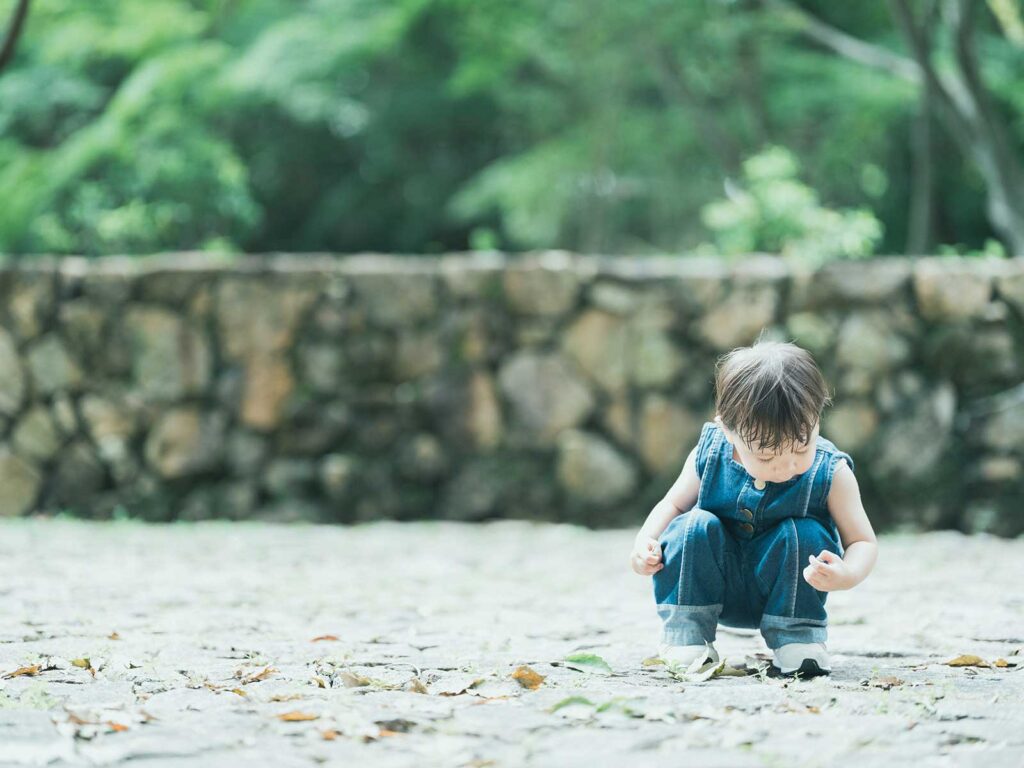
(845,45)
(13,33)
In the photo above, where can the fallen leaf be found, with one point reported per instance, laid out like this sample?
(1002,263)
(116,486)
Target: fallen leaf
(1004,663)
(113,636)
(385,732)
(571,701)
(967,660)
(588,662)
(24,671)
(325,638)
(415,685)
(83,663)
(117,727)
(353,680)
(256,677)
(287,697)
(320,682)
(653,661)
(297,717)
(329,734)
(240,692)
(527,678)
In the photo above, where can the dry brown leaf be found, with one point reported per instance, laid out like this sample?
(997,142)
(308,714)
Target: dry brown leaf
(117,727)
(325,638)
(329,734)
(256,677)
(240,692)
(415,685)
(287,697)
(353,680)
(384,732)
(527,678)
(297,717)
(967,660)
(24,671)
(113,636)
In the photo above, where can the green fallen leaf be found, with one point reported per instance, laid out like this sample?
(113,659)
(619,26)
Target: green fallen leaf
(571,701)
(588,662)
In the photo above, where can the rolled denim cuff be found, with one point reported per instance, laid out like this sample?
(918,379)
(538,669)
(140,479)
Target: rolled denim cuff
(783,630)
(689,624)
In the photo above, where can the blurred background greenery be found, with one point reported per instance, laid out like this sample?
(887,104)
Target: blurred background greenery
(818,130)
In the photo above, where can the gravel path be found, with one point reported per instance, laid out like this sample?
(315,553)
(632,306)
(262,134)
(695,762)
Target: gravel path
(395,644)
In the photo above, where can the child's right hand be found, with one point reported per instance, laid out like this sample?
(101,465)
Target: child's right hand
(646,556)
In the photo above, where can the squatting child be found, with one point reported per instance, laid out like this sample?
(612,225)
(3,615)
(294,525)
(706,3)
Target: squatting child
(749,534)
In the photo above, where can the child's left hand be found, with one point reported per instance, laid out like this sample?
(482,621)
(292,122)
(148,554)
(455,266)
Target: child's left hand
(827,572)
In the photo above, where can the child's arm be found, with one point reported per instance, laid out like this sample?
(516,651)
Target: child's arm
(827,572)
(646,555)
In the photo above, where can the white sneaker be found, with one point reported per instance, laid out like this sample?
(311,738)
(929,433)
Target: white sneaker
(803,659)
(685,655)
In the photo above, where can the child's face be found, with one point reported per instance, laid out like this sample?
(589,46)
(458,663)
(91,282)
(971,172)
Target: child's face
(773,466)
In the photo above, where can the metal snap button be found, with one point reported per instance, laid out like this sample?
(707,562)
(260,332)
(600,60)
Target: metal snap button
(747,527)
(747,514)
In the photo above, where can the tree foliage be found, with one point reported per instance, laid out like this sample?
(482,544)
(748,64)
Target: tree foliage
(427,125)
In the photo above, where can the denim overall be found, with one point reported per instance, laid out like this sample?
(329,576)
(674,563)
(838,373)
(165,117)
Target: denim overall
(738,556)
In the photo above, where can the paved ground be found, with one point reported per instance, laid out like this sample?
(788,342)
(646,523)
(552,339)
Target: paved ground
(195,645)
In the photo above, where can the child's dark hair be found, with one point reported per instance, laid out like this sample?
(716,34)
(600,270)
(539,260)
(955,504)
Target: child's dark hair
(770,394)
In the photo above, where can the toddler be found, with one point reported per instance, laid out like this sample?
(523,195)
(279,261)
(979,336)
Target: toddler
(749,533)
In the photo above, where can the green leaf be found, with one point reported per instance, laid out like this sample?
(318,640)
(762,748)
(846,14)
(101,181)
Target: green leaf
(572,701)
(588,662)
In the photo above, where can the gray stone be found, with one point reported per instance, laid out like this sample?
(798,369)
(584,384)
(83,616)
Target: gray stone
(257,318)
(868,343)
(322,366)
(35,437)
(546,287)
(422,458)
(31,303)
(20,481)
(111,426)
(851,424)
(654,359)
(418,354)
(336,474)
(739,318)
(396,299)
(668,432)
(592,470)
(546,395)
(915,440)
(12,378)
(614,297)
(77,477)
(83,325)
(246,452)
(951,289)
(1011,287)
(52,368)
(170,359)
(813,332)
(1004,430)
(289,476)
(185,441)
(599,342)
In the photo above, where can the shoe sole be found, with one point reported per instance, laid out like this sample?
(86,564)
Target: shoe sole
(808,668)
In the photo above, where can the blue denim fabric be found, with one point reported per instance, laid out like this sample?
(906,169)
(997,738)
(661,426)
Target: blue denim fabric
(737,557)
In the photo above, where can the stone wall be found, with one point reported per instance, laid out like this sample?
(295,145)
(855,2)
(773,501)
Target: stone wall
(474,386)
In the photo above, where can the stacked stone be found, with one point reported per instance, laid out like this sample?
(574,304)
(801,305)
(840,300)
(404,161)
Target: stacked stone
(547,386)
